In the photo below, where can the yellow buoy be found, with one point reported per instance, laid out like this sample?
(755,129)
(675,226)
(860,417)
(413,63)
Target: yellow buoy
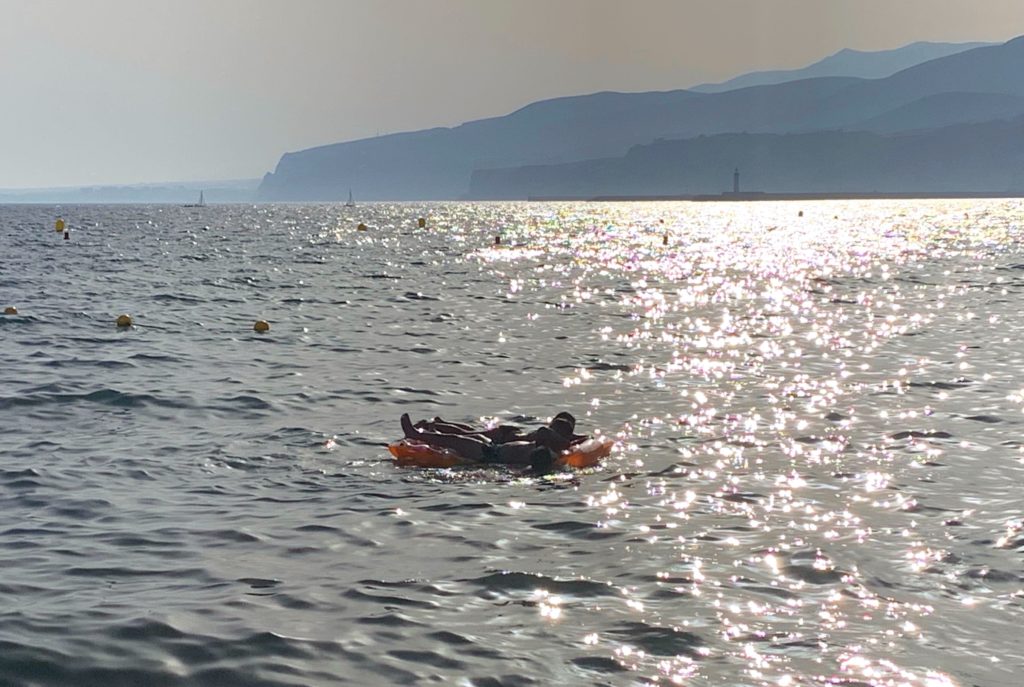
(422,222)
(59,225)
(261,326)
(124,320)
(10,310)
(361,227)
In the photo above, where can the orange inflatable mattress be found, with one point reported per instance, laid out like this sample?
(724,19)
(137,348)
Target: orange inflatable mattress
(410,453)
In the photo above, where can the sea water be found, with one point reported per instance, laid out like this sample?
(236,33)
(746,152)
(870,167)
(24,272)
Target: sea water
(817,477)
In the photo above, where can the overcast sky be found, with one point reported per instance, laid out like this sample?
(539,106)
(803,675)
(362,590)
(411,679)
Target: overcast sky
(129,91)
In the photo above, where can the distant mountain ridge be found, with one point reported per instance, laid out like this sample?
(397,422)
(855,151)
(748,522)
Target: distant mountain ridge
(857,63)
(971,86)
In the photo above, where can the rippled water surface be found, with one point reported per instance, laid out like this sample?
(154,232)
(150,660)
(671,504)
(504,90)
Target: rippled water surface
(817,481)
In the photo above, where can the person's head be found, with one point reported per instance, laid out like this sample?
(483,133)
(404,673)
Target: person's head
(568,418)
(562,427)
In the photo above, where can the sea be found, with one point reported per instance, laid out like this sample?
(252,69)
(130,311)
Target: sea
(816,480)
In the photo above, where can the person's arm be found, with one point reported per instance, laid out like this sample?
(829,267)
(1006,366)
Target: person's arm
(450,428)
(466,429)
(504,433)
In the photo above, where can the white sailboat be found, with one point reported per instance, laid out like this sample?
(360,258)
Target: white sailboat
(350,203)
(200,204)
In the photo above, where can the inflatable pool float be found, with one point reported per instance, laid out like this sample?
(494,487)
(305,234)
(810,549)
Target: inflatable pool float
(414,454)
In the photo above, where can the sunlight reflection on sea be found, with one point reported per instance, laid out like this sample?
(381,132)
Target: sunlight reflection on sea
(816,482)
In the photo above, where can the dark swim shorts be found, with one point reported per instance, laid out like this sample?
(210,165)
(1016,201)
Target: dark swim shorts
(490,453)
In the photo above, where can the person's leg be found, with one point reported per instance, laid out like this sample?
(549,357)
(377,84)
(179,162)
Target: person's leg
(467,447)
(466,429)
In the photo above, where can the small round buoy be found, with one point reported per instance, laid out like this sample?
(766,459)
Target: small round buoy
(124,320)
(261,326)
(10,310)
(422,221)
(361,227)
(800,214)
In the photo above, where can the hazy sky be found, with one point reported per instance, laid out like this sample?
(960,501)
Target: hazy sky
(128,91)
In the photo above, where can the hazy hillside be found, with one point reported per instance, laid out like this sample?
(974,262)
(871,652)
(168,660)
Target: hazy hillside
(989,70)
(183,192)
(970,86)
(945,109)
(856,63)
(968,157)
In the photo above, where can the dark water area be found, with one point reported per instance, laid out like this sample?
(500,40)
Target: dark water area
(817,477)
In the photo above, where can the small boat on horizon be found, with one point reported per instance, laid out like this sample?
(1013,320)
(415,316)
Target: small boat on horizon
(351,203)
(200,204)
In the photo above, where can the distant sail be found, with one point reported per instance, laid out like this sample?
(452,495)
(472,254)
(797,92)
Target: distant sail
(200,204)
